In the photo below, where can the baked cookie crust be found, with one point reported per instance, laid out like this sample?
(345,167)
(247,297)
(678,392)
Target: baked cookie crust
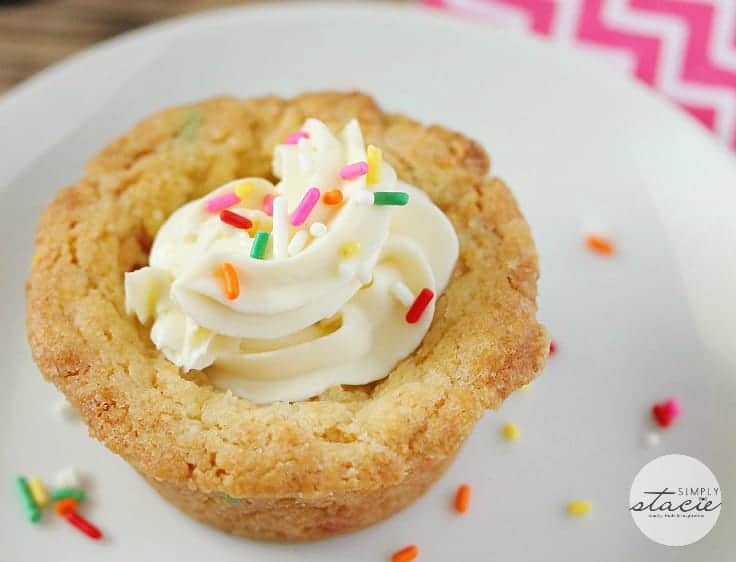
(285,471)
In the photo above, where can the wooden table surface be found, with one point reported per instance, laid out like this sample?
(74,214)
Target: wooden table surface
(37,33)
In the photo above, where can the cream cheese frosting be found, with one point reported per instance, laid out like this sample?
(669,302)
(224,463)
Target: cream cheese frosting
(327,303)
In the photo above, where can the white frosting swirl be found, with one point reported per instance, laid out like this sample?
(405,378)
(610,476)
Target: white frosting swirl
(306,321)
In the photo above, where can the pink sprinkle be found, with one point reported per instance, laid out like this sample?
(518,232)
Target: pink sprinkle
(296,136)
(352,171)
(217,204)
(268,204)
(673,407)
(305,206)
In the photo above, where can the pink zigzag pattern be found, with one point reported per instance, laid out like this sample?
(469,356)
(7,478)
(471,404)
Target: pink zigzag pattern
(697,67)
(698,17)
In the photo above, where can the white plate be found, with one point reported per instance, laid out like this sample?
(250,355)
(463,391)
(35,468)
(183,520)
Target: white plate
(576,143)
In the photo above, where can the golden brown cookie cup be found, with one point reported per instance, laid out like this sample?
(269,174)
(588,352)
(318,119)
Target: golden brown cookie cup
(286,471)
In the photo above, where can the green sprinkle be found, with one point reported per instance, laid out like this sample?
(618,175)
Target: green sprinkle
(64,493)
(390,198)
(25,494)
(231,500)
(258,249)
(191,126)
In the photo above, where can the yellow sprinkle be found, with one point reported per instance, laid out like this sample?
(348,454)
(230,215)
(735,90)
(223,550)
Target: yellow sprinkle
(525,387)
(242,190)
(578,508)
(369,284)
(350,249)
(374,164)
(38,491)
(510,431)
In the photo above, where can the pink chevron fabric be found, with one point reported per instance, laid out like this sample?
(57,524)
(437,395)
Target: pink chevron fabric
(684,48)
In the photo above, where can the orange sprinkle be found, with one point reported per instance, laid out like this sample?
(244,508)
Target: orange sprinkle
(600,245)
(333,197)
(231,283)
(406,554)
(62,507)
(462,499)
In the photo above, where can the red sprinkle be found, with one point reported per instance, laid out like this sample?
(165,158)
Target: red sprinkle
(268,204)
(552,347)
(83,525)
(419,305)
(665,412)
(236,220)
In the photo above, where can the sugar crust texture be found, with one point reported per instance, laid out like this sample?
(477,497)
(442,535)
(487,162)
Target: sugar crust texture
(285,471)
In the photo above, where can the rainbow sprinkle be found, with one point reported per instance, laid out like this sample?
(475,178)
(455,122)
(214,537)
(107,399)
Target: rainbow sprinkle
(38,491)
(295,137)
(298,241)
(420,304)
(382,198)
(579,508)
(349,249)
(258,249)
(402,293)
(374,157)
(267,204)
(34,514)
(318,229)
(353,171)
(305,206)
(280,228)
(510,432)
(217,204)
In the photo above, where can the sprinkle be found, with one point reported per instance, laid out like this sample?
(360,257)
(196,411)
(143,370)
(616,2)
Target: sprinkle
(349,249)
(420,304)
(665,412)
(295,137)
(652,439)
(306,165)
(318,229)
(38,491)
(305,206)
(552,347)
(600,245)
(333,197)
(65,493)
(298,242)
(64,409)
(462,499)
(355,170)
(62,507)
(68,478)
(375,156)
(280,228)
(268,204)
(510,432)
(83,525)
(217,204)
(258,249)
(390,198)
(235,220)
(578,508)
(25,495)
(230,281)
(406,554)
(526,387)
(402,293)
(243,189)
